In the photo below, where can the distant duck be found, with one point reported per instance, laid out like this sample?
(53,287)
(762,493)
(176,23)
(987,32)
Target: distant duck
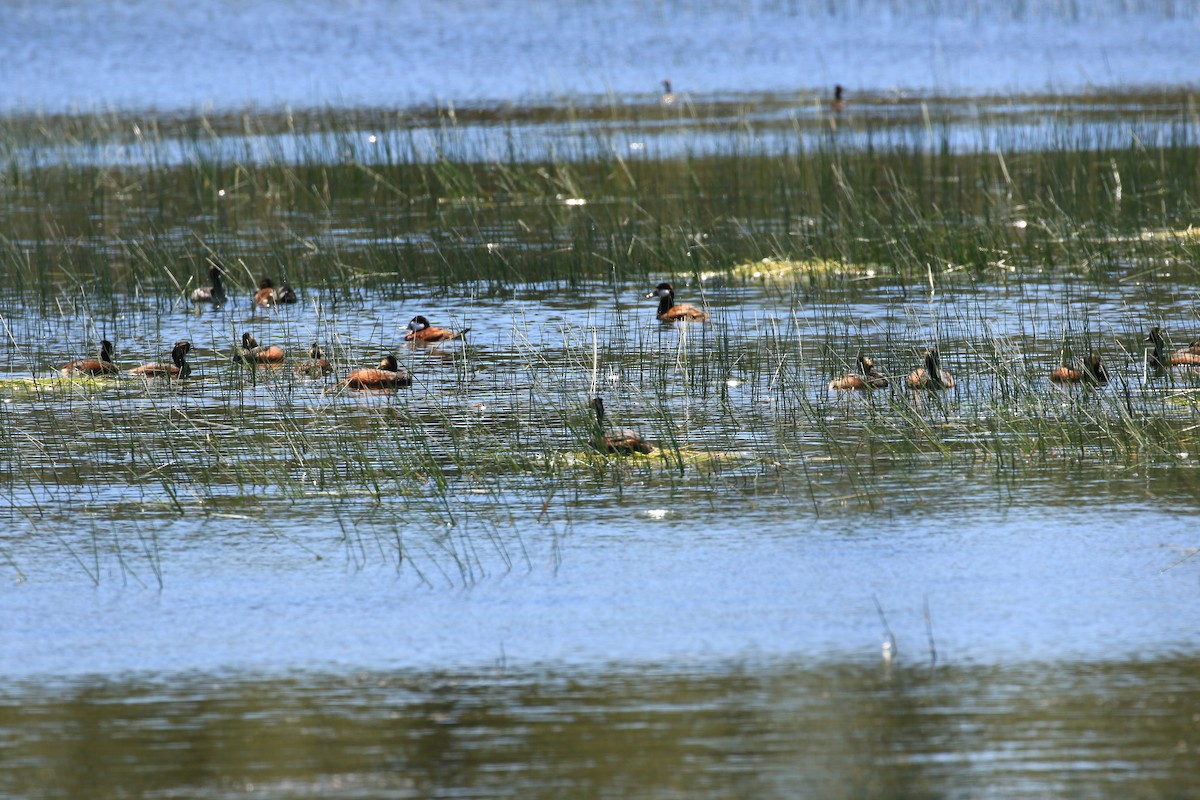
(931,376)
(838,103)
(1090,371)
(1159,359)
(387,376)
(622,441)
(178,368)
(864,377)
(419,330)
(91,366)
(668,97)
(214,295)
(252,352)
(668,311)
(267,295)
(315,365)
(286,295)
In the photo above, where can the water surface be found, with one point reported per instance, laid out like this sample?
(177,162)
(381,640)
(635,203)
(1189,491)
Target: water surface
(70,55)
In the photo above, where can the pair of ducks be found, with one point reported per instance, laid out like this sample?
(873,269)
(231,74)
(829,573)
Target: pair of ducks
(389,374)
(178,368)
(866,376)
(266,296)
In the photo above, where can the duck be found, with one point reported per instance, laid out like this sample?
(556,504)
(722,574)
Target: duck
(419,330)
(315,365)
(838,103)
(1185,357)
(387,375)
(930,376)
(252,352)
(865,377)
(214,295)
(286,294)
(621,441)
(267,295)
(668,97)
(178,368)
(91,366)
(668,311)
(1090,371)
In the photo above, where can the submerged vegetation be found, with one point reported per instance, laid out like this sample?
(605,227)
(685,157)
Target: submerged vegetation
(810,240)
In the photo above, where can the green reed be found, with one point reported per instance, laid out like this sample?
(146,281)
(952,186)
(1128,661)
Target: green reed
(312,203)
(493,439)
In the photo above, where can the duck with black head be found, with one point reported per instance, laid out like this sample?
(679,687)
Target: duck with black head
(931,376)
(668,97)
(670,311)
(388,375)
(621,441)
(92,366)
(838,103)
(178,368)
(864,378)
(268,295)
(213,295)
(1159,358)
(251,352)
(419,330)
(1090,371)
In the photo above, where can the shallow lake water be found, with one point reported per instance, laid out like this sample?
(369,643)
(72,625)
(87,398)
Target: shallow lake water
(68,55)
(179,570)
(253,584)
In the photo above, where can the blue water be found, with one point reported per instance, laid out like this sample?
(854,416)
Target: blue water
(227,55)
(284,603)
(685,588)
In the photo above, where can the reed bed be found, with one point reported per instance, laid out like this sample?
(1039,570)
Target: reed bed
(1011,261)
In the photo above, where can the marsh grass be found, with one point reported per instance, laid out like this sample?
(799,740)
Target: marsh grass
(1012,259)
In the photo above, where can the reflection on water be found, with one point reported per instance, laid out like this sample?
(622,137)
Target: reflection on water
(757,729)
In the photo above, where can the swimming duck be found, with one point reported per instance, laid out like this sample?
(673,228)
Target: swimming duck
(252,352)
(865,376)
(178,368)
(668,311)
(215,294)
(838,103)
(267,295)
(1090,371)
(387,376)
(419,330)
(1185,357)
(91,366)
(622,440)
(668,97)
(930,376)
(315,365)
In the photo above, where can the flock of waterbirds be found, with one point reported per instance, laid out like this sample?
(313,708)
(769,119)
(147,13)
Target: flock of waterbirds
(866,376)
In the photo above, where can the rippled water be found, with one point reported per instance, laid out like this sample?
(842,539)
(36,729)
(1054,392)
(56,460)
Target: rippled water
(257,585)
(64,55)
(761,728)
